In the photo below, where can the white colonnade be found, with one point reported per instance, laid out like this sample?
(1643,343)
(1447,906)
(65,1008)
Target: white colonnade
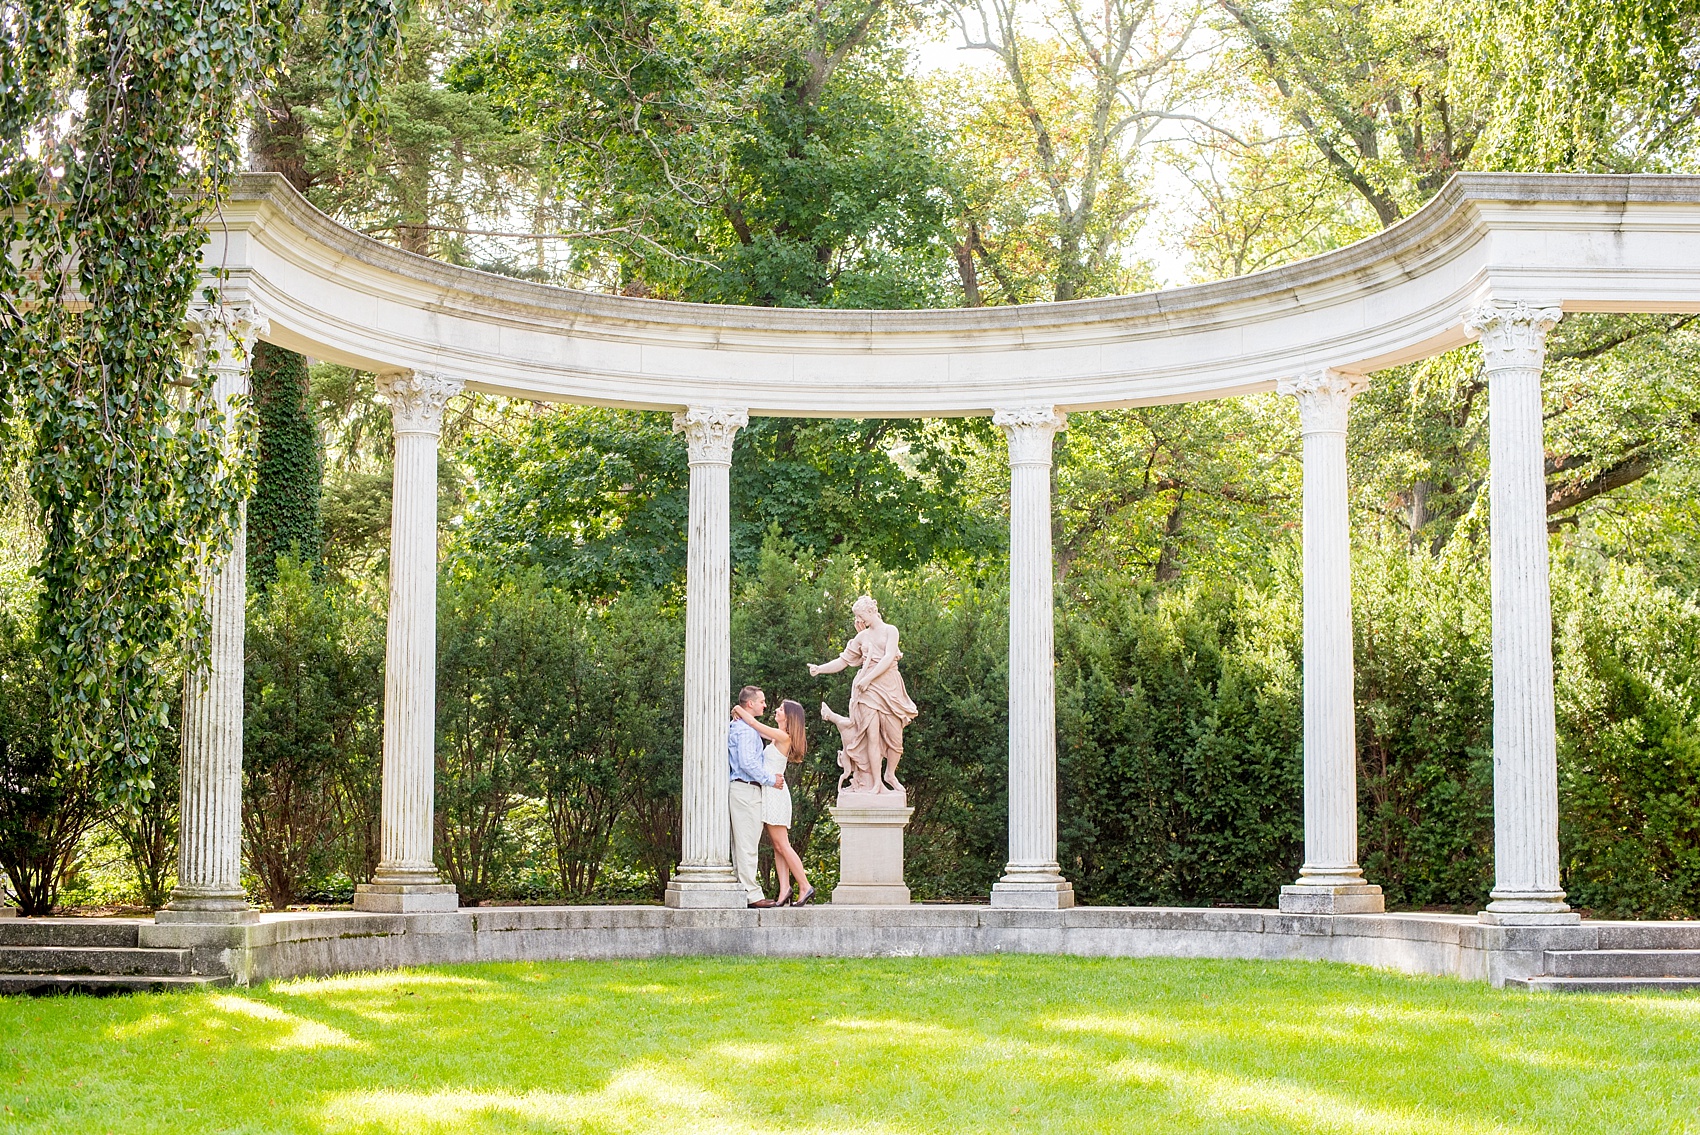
(209,846)
(705,877)
(407,879)
(1596,243)
(1032,877)
(1525,736)
(1330,882)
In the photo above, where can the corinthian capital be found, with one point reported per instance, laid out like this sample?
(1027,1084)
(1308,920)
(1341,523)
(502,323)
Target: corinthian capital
(709,431)
(1324,396)
(1030,430)
(223,334)
(1513,332)
(417,399)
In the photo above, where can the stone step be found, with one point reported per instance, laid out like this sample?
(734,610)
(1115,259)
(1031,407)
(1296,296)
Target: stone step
(1648,935)
(107,932)
(1607,984)
(102,985)
(1623,963)
(93,960)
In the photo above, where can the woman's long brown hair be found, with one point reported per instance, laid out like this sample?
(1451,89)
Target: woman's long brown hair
(794,726)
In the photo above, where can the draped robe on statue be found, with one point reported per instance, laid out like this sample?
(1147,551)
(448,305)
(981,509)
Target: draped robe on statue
(878,710)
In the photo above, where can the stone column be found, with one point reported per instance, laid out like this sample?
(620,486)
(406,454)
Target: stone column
(406,880)
(1330,882)
(209,845)
(1032,877)
(705,877)
(1525,752)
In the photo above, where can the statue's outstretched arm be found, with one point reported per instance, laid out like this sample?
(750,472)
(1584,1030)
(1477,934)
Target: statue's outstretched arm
(832,667)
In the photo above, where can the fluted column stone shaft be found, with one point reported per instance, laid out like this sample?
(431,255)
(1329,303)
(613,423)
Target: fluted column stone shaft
(1525,752)
(705,877)
(209,846)
(407,879)
(1330,882)
(1032,877)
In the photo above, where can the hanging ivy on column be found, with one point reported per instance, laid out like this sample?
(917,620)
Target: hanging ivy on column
(118,123)
(283,516)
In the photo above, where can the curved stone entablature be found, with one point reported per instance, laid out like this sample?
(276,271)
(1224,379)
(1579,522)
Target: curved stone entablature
(1586,242)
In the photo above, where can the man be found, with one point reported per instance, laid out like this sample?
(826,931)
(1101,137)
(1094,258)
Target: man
(749,774)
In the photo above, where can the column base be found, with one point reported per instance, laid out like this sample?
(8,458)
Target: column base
(706,888)
(1036,891)
(1546,908)
(207,908)
(1338,898)
(8,912)
(405,898)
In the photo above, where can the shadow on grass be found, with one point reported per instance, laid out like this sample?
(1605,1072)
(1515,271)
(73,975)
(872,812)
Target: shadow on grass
(895,1045)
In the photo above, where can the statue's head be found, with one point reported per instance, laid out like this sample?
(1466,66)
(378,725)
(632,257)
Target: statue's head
(867,612)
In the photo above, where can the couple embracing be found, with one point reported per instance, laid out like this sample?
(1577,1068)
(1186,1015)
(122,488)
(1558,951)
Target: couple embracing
(761,800)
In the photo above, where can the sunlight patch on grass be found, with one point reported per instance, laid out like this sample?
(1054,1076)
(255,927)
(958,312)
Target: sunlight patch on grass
(145,1027)
(303,1032)
(642,1099)
(1207,1093)
(1132,1026)
(390,981)
(894,1027)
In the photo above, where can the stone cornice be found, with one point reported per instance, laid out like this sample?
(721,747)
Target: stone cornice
(709,432)
(1324,397)
(417,398)
(1593,243)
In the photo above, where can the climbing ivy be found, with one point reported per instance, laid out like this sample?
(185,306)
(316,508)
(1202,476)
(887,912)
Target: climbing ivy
(283,516)
(118,135)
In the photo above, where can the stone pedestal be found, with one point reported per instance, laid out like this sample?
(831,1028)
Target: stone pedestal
(870,848)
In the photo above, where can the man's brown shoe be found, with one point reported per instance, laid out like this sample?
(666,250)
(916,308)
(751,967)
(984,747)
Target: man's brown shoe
(763,903)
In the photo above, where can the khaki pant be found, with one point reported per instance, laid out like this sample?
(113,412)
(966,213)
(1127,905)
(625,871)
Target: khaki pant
(746,835)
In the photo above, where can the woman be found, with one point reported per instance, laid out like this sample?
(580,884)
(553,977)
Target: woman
(785,745)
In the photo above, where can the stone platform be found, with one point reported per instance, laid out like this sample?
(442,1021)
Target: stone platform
(313,943)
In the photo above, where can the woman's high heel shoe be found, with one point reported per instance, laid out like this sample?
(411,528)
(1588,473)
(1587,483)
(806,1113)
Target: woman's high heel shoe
(803,898)
(784,899)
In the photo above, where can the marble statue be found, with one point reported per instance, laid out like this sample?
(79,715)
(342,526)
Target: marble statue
(879,705)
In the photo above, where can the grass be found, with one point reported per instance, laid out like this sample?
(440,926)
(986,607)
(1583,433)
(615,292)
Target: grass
(1019,1044)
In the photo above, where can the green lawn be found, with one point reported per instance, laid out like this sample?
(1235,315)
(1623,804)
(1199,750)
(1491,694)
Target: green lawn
(903,1045)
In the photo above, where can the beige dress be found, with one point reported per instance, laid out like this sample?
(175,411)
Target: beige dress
(878,711)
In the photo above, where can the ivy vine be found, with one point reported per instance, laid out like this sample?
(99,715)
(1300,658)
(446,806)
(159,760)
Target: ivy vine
(118,136)
(283,515)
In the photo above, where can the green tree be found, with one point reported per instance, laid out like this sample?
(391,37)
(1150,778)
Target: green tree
(730,152)
(599,498)
(1050,181)
(311,730)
